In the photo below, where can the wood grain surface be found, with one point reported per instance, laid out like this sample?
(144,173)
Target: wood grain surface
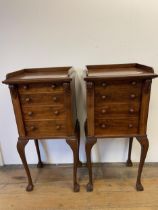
(114,188)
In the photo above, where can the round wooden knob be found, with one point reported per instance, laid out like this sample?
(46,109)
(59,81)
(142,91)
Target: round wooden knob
(104,84)
(132,96)
(30,113)
(103,111)
(53,86)
(131,110)
(54,98)
(103,126)
(130,125)
(134,83)
(27,99)
(58,127)
(25,87)
(32,128)
(103,97)
(56,112)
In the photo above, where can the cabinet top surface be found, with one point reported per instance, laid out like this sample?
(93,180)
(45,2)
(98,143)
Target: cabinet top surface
(39,75)
(119,71)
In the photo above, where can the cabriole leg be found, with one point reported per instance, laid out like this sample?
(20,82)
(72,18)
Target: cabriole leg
(21,150)
(129,162)
(74,146)
(40,164)
(144,148)
(89,144)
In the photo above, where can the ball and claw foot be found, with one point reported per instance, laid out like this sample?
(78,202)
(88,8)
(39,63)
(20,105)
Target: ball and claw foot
(29,187)
(76,187)
(40,165)
(129,163)
(139,187)
(79,164)
(89,187)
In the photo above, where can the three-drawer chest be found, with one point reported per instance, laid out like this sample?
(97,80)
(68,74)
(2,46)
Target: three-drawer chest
(117,106)
(44,106)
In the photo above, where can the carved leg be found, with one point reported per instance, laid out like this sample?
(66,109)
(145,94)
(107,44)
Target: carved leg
(79,164)
(74,146)
(129,162)
(89,144)
(144,148)
(21,150)
(40,164)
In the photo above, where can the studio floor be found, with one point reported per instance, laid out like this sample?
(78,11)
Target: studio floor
(114,188)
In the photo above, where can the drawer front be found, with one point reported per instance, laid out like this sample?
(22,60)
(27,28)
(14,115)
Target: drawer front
(43,112)
(49,128)
(116,97)
(118,85)
(117,91)
(112,126)
(42,99)
(117,110)
(41,87)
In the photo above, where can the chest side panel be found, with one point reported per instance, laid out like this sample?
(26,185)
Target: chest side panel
(146,88)
(90,108)
(17,110)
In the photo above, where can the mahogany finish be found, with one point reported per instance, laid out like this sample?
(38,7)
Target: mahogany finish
(44,106)
(117,106)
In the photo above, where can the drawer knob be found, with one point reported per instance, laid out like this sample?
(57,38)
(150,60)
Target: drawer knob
(53,86)
(30,113)
(56,112)
(103,126)
(54,98)
(131,110)
(58,127)
(134,83)
(130,125)
(104,84)
(103,97)
(32,128)
(27,99)
(133,96)
(25,87)
(103,111)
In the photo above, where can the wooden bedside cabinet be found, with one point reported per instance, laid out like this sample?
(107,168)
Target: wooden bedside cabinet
(44,106)
(117,106)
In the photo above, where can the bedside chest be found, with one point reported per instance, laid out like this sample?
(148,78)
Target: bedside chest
(117,106)
(44,106)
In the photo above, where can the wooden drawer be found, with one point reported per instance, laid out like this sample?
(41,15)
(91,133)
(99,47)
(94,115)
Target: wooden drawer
(118,85)
(42,99)
(117,91)
(41,88)
(114,126)
(45,128)
(43,112)
(116,97)
(116,110)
